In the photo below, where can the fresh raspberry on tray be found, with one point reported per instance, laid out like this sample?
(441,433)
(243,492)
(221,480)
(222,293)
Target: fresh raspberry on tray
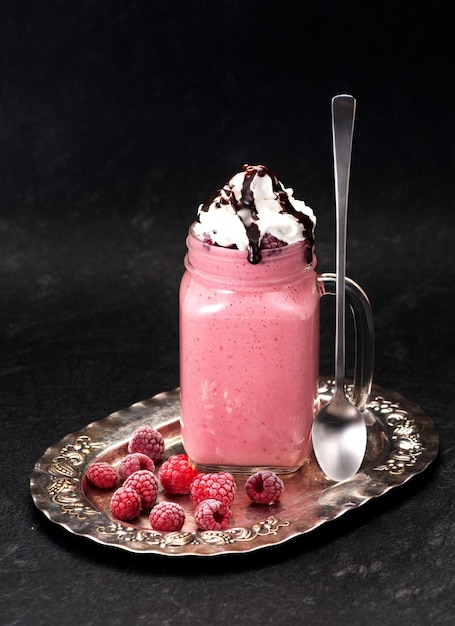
(212,514)
(264,487)
(176,474)
(145,483)
(133,462)
(125,503)
(102,475)
(167,516)
(148,441)
(218,485)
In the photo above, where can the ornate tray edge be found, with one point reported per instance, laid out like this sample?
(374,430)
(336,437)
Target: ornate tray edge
(56,479)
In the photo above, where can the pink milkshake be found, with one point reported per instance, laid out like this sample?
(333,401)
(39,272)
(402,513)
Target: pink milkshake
(249,328)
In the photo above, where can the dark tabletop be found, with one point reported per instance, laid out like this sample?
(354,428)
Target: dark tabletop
(117,118)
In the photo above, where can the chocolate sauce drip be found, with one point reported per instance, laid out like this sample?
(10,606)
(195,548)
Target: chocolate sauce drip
(247,212)
(247,197)
(302,218)
(223,199)
(254,238)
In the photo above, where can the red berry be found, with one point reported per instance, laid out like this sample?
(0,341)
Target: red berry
(146,485)
(125,503)
(134,462)
(264,487)
(167,517)
(270,241)
(176,474)
(212,514)
(148,441)
(219,486)
(102,475)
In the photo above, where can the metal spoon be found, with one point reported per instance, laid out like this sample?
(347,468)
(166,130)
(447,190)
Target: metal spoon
(339,429)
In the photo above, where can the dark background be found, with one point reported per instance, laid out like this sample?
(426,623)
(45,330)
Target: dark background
(117,118)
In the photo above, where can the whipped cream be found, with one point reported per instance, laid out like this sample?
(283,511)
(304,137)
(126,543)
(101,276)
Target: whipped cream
(251,204)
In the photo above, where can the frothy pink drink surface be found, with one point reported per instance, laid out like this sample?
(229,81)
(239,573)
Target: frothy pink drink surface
(249,351)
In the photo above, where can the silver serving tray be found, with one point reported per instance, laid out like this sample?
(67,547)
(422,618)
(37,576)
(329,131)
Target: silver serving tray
(402,442)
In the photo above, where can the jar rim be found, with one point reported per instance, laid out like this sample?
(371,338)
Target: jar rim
(231,266)
(235,253)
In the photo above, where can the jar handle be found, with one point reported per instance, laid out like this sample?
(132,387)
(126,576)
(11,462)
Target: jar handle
(364,335)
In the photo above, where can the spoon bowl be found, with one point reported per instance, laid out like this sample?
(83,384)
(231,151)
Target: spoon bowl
(340,433)
(339,430)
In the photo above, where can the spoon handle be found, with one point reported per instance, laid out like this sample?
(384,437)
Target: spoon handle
(343,113)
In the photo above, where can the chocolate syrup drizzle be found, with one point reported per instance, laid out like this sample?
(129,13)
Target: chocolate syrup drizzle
(247,212)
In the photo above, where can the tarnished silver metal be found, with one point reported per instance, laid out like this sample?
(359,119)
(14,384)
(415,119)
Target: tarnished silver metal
(402,442)
(339,430)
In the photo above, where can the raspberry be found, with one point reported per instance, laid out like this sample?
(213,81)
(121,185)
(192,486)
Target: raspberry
(134,462)
(264,487)
(125,503)
(146,485)
(167,517)
(176,474)
(147,441)
(102,475)
(270,241)
(212,514)
(219,486)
